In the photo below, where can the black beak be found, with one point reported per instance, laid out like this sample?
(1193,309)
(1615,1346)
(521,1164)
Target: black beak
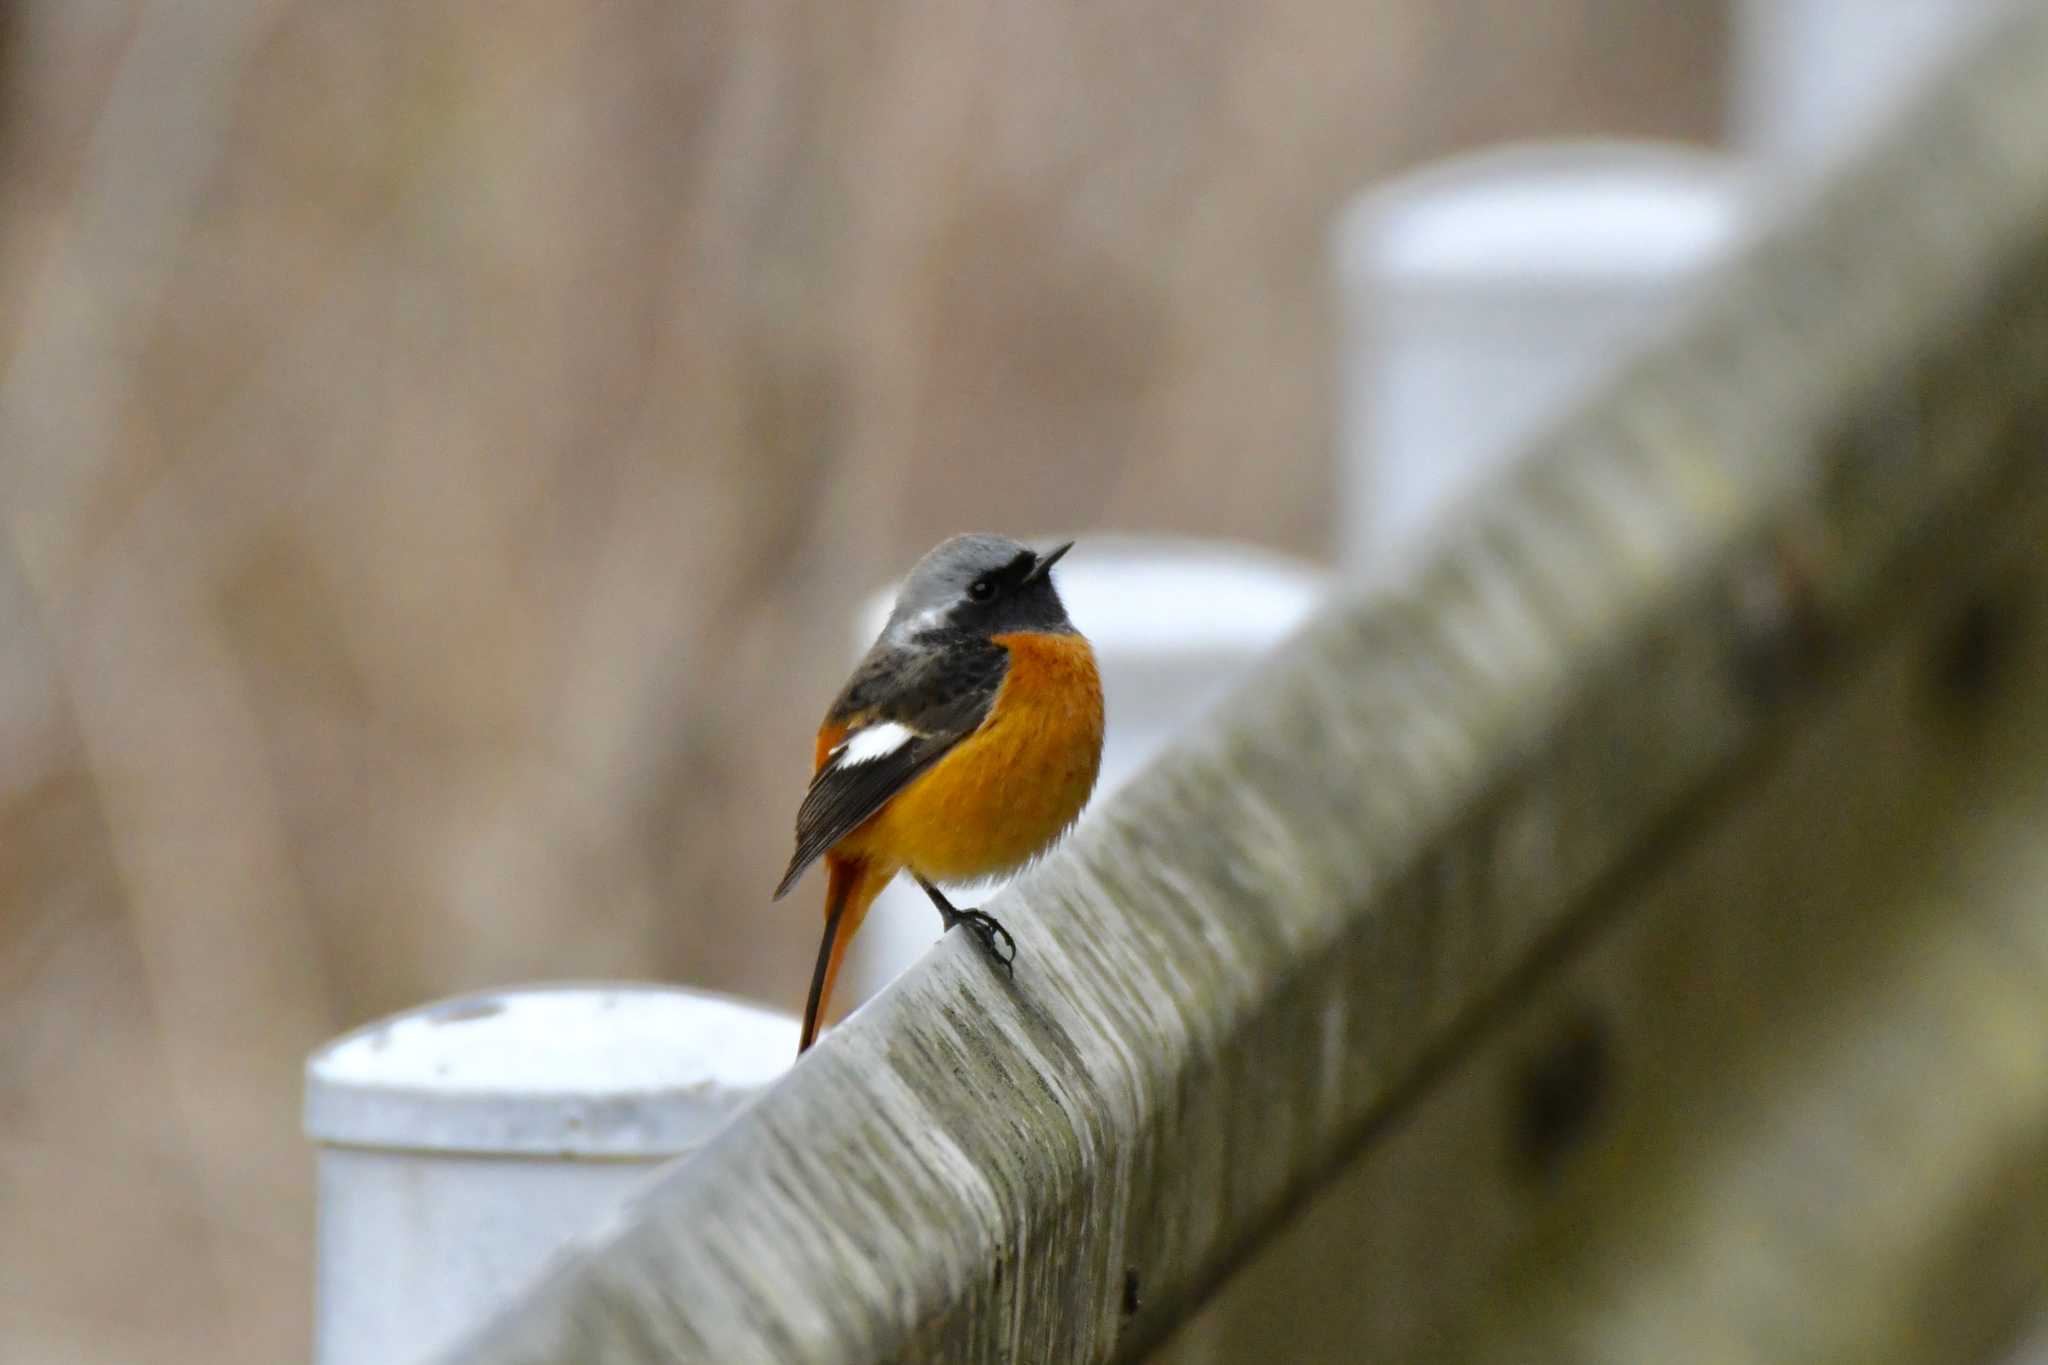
(1045,563)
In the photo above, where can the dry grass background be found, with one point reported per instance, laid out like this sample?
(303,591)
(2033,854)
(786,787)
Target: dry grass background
(441,442)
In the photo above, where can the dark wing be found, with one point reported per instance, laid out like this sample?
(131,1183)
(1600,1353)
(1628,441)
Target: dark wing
(842,798)
(904,710)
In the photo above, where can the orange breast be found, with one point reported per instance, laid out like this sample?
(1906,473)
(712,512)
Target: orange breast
(1007,791)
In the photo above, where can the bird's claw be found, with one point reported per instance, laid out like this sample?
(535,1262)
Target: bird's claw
(987,928)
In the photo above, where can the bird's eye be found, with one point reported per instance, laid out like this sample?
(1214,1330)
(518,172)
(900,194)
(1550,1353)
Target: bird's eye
(982,589)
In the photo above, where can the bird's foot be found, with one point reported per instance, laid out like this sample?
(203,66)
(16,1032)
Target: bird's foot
(987,928)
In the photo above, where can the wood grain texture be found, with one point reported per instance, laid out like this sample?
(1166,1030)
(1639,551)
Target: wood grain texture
(1286,932)
(1780,1092)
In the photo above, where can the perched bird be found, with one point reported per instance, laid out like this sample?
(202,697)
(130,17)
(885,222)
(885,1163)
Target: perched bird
(963,746)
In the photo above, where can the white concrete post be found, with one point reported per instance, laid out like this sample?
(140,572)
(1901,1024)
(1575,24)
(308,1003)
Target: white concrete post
(1479,296)
(461,1144)
(1175,623)
(1810,79)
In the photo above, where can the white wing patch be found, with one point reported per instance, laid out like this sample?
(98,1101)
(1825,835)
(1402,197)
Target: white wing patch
(872,742)
(910,627)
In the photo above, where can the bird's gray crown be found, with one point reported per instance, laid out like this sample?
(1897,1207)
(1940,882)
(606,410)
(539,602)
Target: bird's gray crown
(936,592)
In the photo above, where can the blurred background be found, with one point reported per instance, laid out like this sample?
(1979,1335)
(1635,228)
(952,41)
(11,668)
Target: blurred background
(443,446)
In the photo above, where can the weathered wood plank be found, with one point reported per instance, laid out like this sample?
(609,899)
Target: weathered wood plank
(1781,1090)
(1290,928)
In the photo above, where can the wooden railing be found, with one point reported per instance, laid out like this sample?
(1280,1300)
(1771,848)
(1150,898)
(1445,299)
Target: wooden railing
(1623,937)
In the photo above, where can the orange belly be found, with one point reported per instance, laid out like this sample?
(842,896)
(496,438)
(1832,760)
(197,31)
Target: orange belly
(1010,789)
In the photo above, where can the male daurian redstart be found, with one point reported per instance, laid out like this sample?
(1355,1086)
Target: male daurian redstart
(962,747)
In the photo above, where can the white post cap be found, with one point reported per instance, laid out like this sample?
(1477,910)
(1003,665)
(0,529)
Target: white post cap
(1811,79)
(1480,295)
(462,1144)
(601,1070)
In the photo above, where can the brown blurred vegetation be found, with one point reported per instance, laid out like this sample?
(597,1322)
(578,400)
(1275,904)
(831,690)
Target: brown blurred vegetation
(444,442)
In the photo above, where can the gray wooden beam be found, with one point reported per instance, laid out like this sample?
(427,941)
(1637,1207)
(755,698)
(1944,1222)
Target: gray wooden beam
(1294,929)
(1780,1093)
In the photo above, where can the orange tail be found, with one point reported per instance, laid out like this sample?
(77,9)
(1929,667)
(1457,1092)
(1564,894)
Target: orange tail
(852,888)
